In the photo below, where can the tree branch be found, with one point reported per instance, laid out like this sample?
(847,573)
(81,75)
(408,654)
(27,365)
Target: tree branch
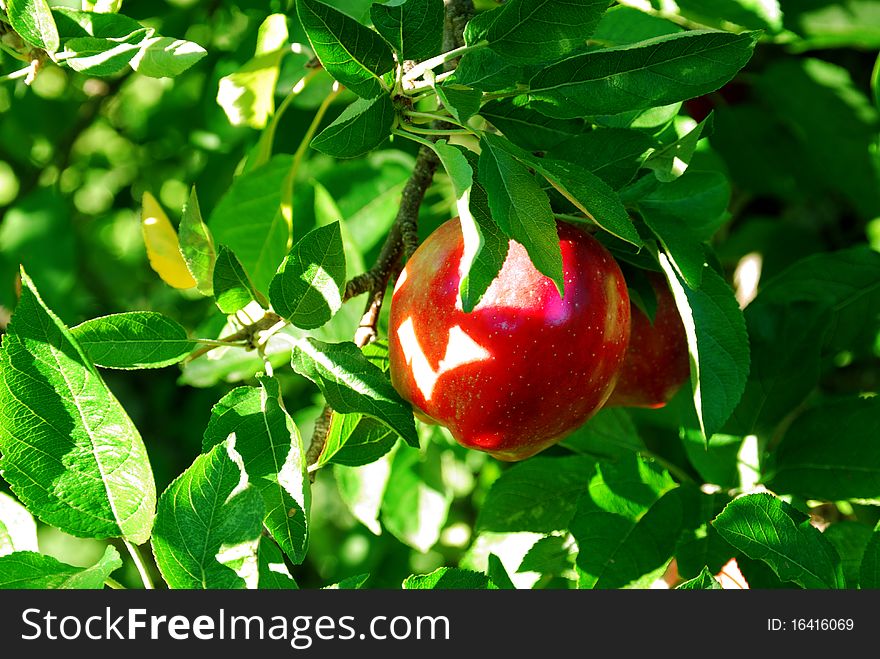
(402,239)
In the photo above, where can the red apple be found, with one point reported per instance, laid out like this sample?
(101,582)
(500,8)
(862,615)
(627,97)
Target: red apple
(657,361)
(526,366)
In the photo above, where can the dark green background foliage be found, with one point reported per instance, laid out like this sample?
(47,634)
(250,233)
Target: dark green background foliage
(731,145)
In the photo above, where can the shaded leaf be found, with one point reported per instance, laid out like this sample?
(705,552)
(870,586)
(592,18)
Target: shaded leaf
(210,508)
(538,495)
(248,219)
(233,289)
(830,452)
(626,525)
(537,30)
(414,28)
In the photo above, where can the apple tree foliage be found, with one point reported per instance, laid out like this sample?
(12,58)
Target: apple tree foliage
(188,191)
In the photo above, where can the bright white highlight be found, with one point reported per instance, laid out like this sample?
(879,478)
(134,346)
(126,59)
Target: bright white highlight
(460,350)
(746,278)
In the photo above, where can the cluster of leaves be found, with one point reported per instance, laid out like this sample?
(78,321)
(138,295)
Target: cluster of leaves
(552,110)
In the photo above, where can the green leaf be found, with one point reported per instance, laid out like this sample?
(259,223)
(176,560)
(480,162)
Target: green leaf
(486,70)
(34,22)
(135,339)
(353,54)
(30,570)
(623,25)
(209,514)
(197,245)
(308,288)
(686,253)
(102,57)
(247,95)
(248,219)
(72,23)
(18,530)
(165,57)
(415,503)
(485,247)
(786,342)
(70,452)
(414,28)
(829,452)
(527,128)
(717,463)
(35,232)
(609,434)
(751,14)
(447,578)
(551,555)
(718,345)
(651,73)
(538,30)
(850,539)
(697,199)
(461,101)
(768,529)
(520,207)
(105,44)
(612,154)
(233,289)
(361,127)
(833,23)
(846,281)
(498,575)
(701,545)
(362,489)
(837,127)
(703,581)
(367,193)
(585,190)
(671,161)
(626,525)
(273,572)
(272,450)
(869,571)
(351,384)
(351,583)
(354,440)
(538,495)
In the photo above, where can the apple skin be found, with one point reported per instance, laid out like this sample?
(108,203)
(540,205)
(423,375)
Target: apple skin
(657,361)
(525,367)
